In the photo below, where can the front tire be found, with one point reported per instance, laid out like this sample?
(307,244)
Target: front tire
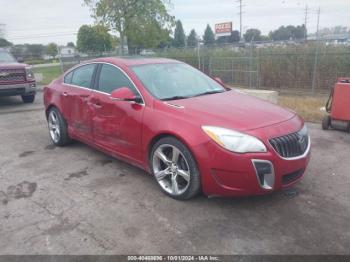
(175,169)
(58,128)
(28,99)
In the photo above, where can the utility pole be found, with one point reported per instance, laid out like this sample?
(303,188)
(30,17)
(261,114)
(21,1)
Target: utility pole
(198,54)
(305,22)
(317,50)
(2,30)
(240,19)
(60,58)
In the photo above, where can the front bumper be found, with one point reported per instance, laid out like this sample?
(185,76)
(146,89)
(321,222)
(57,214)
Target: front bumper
(28,88)
(224,173)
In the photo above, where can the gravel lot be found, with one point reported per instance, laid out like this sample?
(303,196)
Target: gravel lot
(76,200)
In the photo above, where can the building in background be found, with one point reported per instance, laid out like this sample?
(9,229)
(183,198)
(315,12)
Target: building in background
(68,51)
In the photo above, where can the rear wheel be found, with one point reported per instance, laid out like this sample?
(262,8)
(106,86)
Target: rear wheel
(28,99)
(326,122)
(58,128)
(175,169)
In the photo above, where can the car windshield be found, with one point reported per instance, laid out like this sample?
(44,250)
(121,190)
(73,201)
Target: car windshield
(5,57)
(172,81)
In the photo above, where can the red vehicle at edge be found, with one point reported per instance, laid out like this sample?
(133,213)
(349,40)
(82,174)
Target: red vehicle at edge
(188,130)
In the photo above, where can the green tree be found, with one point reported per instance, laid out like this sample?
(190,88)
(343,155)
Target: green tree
(93,39)
(70,44)
(179,35)
(192,40)
(150,35)
(209,37)
(288,32)
(127,16)
(51,50)
(34,50)
(4,43)
(86,39)
(18,51)
(252,35)
(223,40)
(233,38)
(265,38)
(299,32)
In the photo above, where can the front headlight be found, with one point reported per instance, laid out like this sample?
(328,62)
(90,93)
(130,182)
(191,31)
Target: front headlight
(234,141)
(29,73)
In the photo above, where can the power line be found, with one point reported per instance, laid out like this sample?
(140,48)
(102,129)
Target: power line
(42,35)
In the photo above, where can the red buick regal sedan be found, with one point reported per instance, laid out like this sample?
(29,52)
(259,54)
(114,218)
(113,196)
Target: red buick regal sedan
(187,129)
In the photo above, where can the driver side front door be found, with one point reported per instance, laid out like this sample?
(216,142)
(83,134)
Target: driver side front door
(117,125)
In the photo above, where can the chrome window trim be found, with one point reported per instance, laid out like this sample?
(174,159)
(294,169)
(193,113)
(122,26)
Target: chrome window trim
(94,90)
(174,105)
(73,69)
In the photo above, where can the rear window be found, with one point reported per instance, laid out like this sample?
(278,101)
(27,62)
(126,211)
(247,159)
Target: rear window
(68,78)
(82,76)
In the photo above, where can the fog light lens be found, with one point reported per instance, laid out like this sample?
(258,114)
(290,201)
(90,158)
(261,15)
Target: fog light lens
(264,173)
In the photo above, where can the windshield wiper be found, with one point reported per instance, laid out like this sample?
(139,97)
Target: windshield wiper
(211,92)
(175,98)
(184,97)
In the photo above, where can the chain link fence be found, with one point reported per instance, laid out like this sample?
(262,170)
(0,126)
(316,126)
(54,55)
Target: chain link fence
(290,68)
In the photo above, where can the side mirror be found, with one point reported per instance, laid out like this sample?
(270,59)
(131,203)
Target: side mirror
(20,60)
(125,94)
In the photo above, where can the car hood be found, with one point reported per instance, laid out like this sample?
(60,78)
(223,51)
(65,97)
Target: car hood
(231,109)
(12,65)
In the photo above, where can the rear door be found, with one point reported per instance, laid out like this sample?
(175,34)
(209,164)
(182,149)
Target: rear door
(77,100)
(117,125)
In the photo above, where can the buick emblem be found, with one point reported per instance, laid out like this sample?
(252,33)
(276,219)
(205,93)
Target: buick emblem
(302,141)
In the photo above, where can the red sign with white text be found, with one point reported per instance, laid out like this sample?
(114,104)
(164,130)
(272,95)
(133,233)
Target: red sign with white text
(223,29)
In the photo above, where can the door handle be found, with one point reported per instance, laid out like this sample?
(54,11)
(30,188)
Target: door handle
(96,104)
(65,94)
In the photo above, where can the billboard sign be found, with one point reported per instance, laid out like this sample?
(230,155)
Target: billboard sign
(223,29)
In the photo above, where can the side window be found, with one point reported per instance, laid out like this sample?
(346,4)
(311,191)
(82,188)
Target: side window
(68,78)
(83,76)
(112,78)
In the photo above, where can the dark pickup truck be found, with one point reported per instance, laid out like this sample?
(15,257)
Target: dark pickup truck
(16,79)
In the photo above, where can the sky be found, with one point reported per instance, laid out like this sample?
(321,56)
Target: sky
(45,21)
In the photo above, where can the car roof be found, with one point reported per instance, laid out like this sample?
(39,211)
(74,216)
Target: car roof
(134,61)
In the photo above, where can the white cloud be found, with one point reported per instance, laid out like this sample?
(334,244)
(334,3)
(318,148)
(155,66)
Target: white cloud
(58,21)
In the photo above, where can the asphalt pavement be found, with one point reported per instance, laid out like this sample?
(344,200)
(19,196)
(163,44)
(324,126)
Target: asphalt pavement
(76,200)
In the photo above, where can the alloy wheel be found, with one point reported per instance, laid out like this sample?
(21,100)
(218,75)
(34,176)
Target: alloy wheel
(171,169)
(54,126)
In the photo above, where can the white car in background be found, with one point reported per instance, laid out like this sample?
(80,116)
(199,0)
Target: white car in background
(147,52)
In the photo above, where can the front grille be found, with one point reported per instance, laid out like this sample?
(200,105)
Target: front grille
(292,145)
(12,75)
(289,178)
